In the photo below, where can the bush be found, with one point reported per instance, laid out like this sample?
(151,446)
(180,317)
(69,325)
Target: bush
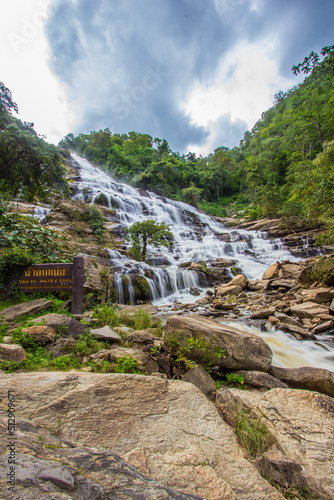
(96,223)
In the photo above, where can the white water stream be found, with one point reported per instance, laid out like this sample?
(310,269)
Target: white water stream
(196,238)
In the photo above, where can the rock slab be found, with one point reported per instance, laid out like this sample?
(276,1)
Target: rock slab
(166,428)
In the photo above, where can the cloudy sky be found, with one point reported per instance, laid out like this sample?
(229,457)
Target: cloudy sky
(198,73)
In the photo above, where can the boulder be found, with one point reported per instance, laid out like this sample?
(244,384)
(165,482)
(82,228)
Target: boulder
(106,333)
(319,295)
(308,310)
(141,338)
(302,425)
(228,290)
(284,283)
(298,332)
(64,325)
(242,350)
(201,378)
(258,285)
(194,290)
(145,362)
(323,327)
(271,272)
(284,318)
(41,334)
(307,377)
(222,304)
(168,429)
(290,269)
(263,313)
(32,307)
(260,379)
(239,280)
(12,352)
(62,347)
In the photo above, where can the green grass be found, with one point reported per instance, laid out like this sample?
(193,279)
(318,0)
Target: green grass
(253,435)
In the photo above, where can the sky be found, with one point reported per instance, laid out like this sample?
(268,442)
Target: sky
(198,73)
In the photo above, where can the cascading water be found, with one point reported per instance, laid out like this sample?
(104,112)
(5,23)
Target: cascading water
(196,237)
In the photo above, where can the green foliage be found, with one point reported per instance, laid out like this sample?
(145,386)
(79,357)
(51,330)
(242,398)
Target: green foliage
(87,344)
(96,223)
(190,347)
(253,435)
(127,364)
(149,232)
(23,242)
(231,380)
(192,194)
(109,315)
(64,363)
(282,167)
(29,166)
(3,329)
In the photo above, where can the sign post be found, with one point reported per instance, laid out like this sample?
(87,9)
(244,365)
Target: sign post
(55,278)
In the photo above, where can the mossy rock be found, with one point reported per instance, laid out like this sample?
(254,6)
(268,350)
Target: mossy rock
(101,199)
(142,289)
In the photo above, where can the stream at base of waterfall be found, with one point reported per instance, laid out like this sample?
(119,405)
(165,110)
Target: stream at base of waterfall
(197,238)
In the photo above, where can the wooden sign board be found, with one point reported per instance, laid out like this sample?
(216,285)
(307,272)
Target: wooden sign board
(47,278)
(55,278)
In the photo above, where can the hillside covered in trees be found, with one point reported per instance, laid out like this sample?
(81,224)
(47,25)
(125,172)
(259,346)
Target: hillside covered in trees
(282,167)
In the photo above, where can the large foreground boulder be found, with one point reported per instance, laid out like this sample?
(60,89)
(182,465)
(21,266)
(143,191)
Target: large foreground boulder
(50,470)
(241,350)
(166,428)
(302,424)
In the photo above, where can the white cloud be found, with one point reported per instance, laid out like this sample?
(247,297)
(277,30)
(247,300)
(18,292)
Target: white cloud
(24,52)
(246,82)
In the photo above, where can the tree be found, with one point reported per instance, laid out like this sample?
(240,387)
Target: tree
(149,232)
(6,102)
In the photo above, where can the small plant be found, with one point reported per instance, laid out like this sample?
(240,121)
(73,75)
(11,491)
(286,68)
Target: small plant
(100,366)
(62,329)
(87,344)
(253,435)
(3,329)
(106,315)
(192,344)
(127,364)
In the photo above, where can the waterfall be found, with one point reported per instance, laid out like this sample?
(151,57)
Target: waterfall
(197,237)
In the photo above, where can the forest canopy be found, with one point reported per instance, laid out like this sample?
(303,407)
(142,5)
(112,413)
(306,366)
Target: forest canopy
(270,172)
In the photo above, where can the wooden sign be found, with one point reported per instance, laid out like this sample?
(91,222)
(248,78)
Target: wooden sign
(55,278)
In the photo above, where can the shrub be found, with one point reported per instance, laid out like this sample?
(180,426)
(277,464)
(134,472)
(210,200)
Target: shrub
(96,223)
